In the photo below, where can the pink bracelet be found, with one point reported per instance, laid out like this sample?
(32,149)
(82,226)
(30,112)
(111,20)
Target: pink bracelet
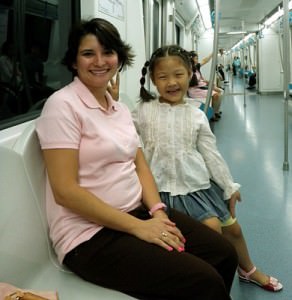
(156,207)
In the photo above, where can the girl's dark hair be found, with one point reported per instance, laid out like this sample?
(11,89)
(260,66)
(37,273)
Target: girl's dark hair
(194,79)
(107,35)
(171,50)
(193,54)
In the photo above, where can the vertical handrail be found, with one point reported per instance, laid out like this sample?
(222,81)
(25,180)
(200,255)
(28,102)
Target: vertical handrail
(249,57)
(257,64)
(15,45)
(243,77)
(147,29)
(286,69)
(244,62)
(280,41)
(173,25)
(21,49)
(215,55)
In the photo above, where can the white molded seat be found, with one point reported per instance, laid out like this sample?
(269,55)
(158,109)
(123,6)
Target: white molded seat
(26,257)
(124,98)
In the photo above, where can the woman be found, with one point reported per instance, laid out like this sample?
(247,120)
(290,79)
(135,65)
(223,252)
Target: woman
(107,222)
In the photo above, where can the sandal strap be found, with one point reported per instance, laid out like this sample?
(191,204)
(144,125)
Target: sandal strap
(247,274)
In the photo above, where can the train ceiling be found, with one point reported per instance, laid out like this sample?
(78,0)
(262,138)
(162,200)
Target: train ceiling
(235,15)
(242,15)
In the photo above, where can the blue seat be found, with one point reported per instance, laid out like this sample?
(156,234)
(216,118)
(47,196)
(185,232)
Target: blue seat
(210,111)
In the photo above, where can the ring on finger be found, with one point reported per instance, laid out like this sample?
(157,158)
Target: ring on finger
(164,234)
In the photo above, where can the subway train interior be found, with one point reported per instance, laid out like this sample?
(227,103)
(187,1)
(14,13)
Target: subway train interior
(249,41)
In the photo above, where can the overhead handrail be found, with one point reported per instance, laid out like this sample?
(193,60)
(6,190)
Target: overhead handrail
(214,55)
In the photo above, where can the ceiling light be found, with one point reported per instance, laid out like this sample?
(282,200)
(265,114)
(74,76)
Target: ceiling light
(236,32)
(277,15)
(204,9)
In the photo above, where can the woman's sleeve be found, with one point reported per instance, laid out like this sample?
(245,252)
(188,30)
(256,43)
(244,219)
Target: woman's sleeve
(58,126)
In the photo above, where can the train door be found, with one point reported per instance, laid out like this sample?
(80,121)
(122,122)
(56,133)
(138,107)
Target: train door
(152,11)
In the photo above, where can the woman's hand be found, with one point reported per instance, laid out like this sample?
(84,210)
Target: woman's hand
(232,202)
(161,231)
(114,87)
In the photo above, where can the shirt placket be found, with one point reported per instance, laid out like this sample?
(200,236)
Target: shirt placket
(172,127)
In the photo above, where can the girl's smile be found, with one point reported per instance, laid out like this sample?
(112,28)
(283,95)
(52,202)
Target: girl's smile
(171,78)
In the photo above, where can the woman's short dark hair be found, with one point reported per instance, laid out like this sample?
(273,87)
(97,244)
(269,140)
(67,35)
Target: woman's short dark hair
(107,35)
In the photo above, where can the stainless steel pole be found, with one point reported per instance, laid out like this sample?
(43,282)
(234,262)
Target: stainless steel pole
(215,54)
(286,69)
(244,65)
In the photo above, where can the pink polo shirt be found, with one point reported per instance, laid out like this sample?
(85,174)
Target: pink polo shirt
(107,143)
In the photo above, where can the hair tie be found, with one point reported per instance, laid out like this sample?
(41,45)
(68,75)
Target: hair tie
(144,71)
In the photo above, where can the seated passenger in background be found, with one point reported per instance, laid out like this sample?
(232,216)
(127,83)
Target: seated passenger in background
(35,74)
(11,85)
(221,65)
(9,67)
(106,220)
(252,80)
(180,148)
(198,87)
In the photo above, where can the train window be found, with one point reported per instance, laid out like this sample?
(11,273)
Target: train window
(32,40)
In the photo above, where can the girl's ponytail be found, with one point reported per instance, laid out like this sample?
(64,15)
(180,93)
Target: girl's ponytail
(145,95)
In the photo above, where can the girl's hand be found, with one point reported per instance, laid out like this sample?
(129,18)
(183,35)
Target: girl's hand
(161,231)
(232,202)
(114,87)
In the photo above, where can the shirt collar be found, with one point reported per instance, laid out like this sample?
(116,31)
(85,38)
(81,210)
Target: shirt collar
(88,98)
(169,105)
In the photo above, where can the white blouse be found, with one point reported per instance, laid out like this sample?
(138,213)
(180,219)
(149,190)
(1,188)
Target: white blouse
(180,148)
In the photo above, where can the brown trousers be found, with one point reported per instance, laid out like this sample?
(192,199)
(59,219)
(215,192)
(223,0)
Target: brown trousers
(119,261)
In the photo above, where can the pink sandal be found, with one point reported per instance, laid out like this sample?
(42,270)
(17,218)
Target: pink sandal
(273,285)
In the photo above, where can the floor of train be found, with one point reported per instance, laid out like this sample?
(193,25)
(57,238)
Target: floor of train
(251,139)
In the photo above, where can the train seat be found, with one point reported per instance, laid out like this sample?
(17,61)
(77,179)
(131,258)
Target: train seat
(124,98)
(27,259)
(200,103)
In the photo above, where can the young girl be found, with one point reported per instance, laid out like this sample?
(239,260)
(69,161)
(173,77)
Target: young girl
(180,148)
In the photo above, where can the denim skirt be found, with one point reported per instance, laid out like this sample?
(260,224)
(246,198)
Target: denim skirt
(200,205)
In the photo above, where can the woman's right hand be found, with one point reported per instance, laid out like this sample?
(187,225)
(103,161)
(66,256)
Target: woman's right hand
(114,87)
(161,231)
